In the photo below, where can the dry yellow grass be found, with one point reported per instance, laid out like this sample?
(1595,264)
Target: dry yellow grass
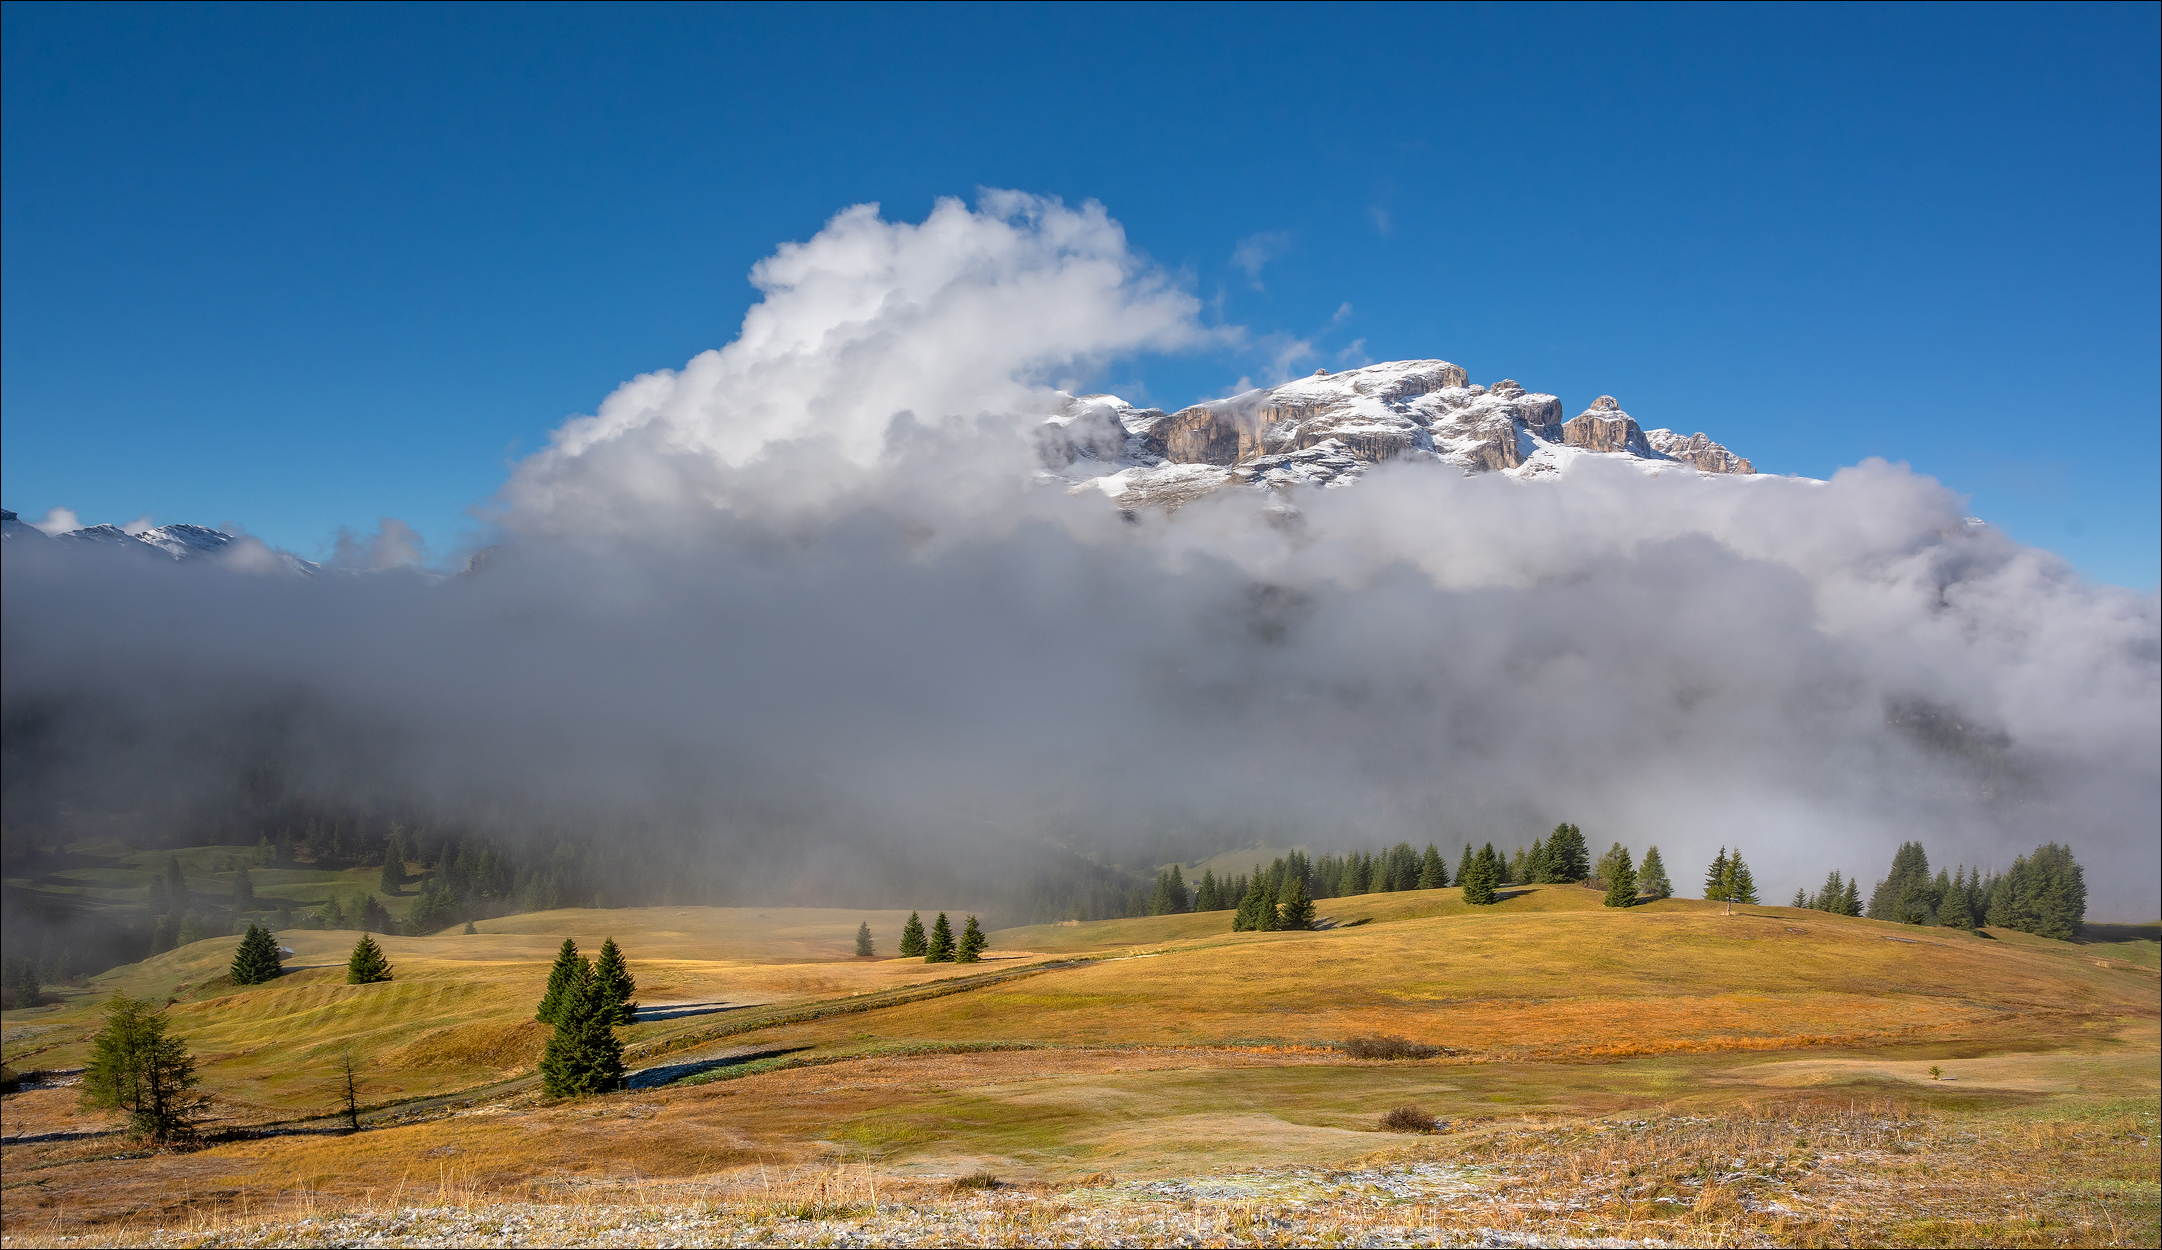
(1165,1047)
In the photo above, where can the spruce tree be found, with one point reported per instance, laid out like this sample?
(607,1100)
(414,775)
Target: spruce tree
(1210,897)
(583,1056)
(393,869)
(1478,880)
(1271,899)
(1537,870)
(863,939)
(940,950)
(243,893)
(1433,874)
(1652,876)
(1463,866)
(1850,902)
(1567,855)
(1248,917)
(1716,878)
(912,941)
(367,965)
(613,988)
(257,959)
(973,943)
(1297,908)
(2059,889)
(1741,886)
(569,971)
(1897,895)
(1621,884)
(1954,913)
(1181,902)
(136,1069)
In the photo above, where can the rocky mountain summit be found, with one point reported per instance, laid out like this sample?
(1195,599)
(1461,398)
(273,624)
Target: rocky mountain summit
(1329,429)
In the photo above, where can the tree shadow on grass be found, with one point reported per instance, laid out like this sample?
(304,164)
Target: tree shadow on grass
(669,1074)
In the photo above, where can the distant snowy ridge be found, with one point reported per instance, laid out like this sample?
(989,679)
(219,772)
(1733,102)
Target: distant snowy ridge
(1328,429)
(180,543)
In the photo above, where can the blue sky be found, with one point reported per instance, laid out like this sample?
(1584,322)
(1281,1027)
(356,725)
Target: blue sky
(298,268)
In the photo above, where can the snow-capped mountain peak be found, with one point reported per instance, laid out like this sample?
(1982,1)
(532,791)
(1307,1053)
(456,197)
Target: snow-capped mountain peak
(1329,428)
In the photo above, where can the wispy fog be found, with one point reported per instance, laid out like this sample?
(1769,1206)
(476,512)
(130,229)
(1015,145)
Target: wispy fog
(807,590)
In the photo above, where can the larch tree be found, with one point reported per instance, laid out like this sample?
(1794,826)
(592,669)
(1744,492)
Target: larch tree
(135,1068)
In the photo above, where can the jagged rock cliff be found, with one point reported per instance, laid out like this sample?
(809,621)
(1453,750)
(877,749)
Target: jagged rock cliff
(1330,428)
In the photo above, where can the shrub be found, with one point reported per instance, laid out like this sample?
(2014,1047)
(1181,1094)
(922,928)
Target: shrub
(1409,1119)
(979,1179)
(1379,1047)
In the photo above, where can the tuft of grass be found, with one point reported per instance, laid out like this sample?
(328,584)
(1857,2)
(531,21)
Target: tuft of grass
(978,1179)
(1409,1119)
(1387,1046)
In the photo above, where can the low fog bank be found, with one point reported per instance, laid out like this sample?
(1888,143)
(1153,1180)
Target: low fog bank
(1813,671)
(800,615)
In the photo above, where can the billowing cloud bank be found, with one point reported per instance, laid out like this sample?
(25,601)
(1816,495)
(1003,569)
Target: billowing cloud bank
(807,584)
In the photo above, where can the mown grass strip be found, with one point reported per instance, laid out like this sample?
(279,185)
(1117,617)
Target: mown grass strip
(780,1063)
(845,1006)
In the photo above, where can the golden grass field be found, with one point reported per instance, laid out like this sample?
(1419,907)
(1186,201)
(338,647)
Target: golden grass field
(1596,1061)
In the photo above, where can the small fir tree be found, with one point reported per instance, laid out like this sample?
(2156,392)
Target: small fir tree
(137,1070)
(393,869)
(1850,902)
(1716,878)
(243,893)
(1271,899)
(613,988)
(1742,887)
(1297,909)
(1621,880)
(912,940)
(1433,874)
(1568,857)
(1801,899)
(583,1056)
(1463,866)
(367,965)
(1248,917)
(1955,914)
(941,949)
(569,971)
(863,940)
(469,929)
(1210,895)
(1480,878)
(1652,876)
(257,959)
(973,943)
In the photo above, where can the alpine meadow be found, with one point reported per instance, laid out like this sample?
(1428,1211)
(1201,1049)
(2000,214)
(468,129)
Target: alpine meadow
(1579,666)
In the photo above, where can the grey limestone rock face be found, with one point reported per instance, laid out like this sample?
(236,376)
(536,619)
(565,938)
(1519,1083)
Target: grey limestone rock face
(1699,450)
(1605,427)
(1329,428)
